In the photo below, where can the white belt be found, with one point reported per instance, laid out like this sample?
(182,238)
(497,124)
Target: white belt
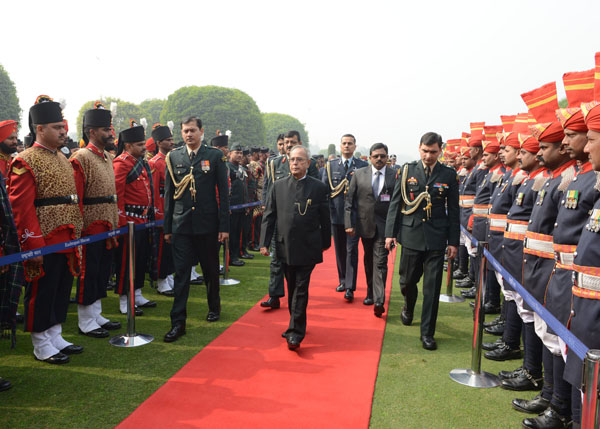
(565,258)
(498,223)
(519,229)
(539,245)
(467,203)
(481,211)
(588,281)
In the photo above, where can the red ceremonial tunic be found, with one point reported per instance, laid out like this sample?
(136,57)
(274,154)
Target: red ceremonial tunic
(135,198)
(5,161)
(158,169)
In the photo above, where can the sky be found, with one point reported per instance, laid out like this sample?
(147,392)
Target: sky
(385,71)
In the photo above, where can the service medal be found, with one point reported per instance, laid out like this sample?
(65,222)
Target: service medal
(205,164)
(541,197)
(503,187)
(519,200)
(594,223)
(412,181)
(572,199)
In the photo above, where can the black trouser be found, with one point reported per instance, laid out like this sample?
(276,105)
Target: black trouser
(346,256)
(513,325)
(532,361)
(187,250)
(413,263)
(141,254)
(492,288)
(463,259)
(165,258)
(298,279)
(246,230)
(95,272)
(276,287)
(376,267)
(235,236)
(561,394)
(256,225)
(46,299)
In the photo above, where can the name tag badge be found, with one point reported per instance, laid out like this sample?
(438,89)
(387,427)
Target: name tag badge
(384,197)
(205,165)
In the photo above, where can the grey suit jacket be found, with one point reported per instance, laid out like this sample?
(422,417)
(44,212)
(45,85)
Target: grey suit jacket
(363,212)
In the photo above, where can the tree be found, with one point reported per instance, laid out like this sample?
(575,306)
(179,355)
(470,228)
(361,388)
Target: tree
(220,109)
(331,149)
(278,123)
(152,108)
(563,102)
(125,112)
(9,102)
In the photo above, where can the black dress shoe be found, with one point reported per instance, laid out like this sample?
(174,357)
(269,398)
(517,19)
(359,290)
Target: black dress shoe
(379,309)
(523,382)
(536,405)
(492,346)
(176,331)
(236,263)
(72,350)
(406,317)
(549,419)
(284,334)
(4,384)
(505,375)
(247,256)
(111,326)
(368,301)
(489,308)
(341,288)
(504,352)
(168,292)
(212,316)
(349,295)
(272,302)
(470,293)
(57,359)
(428,342)
(465,283)
(293,343)
(459,275)
(496,329)
(96,333)
(493,322)
(147,304)
(197,281)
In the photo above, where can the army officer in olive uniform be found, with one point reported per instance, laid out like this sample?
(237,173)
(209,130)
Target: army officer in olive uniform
(424,218)
(196,219)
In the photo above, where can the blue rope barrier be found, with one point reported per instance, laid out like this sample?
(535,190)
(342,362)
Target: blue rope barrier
(571,340)
(245,205)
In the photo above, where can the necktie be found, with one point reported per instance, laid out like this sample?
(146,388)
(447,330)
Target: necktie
(346,164)
(427,172)
(376,184)
(192,155)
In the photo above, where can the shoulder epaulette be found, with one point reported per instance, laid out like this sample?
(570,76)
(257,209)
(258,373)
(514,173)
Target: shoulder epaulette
(496,177)
(567,177)
(597,185)
(519,177)
(539,181)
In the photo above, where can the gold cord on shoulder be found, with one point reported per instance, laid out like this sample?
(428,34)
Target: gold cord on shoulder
(180,187)
(342,186)
(414,205)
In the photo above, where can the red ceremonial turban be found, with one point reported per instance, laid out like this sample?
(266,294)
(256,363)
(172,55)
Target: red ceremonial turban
(591,115)
(7,128)
(476,134)
(542,104)
(529,143)
(579,87)
(520,126)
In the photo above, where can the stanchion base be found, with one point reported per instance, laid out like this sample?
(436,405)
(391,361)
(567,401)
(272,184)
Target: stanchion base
(125,340)
(468,377)
(451,298)
(228,282)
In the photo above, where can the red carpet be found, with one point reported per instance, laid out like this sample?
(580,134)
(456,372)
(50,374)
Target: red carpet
(248,378)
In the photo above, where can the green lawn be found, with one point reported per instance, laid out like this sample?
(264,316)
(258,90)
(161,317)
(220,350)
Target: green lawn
(100,387)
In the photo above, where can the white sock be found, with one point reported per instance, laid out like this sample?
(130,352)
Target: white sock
(171,281)
(56,337)
(123,304)
(139,298)
(42,345)
(163,285)
(100,320)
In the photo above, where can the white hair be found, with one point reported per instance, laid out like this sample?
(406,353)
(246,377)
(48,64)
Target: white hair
(305,149)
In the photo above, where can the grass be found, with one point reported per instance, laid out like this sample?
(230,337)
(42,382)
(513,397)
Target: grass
(100,387)
(414,389)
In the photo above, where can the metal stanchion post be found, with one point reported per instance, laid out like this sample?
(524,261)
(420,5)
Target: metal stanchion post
(474,377)
(131,339)
(589,411)
(448,297)
(226,281)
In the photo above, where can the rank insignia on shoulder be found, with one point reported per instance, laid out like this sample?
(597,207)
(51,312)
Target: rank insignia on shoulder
(541,196)
(594,223)
(412,181)
(19,171)
(572,199)
(205,164)
(519,200)
(224,159)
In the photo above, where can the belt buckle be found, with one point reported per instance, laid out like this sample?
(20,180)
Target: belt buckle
(114,198)
(73,198)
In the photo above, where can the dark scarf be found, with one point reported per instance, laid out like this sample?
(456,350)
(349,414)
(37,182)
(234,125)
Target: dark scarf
(11,281)
(135,172)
